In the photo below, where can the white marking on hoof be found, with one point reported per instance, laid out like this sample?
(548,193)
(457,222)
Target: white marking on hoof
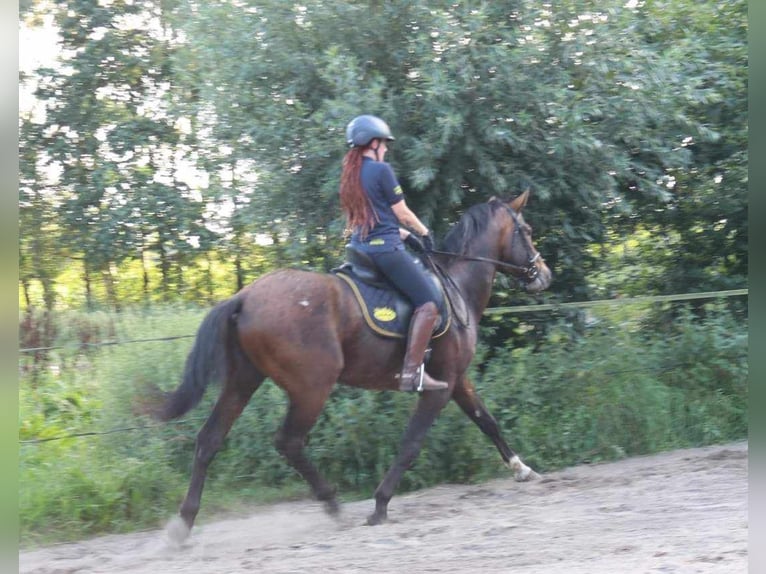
(177,531)
(522,472)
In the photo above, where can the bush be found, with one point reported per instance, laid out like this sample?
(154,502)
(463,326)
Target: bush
(618,392)
(74,488)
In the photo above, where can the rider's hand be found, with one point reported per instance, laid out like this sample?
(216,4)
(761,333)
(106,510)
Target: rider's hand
(428,242)
(414,243)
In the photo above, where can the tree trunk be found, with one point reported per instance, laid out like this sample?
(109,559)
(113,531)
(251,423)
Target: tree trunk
(240,271)
(178,286)
(209,278)
(88,287)
(111,292)
(25,289)
(165,271)
(145,275)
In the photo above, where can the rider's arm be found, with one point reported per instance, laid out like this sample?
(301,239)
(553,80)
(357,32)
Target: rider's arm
(406,217)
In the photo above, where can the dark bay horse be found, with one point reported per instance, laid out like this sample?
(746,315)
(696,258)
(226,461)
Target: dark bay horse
(305,331)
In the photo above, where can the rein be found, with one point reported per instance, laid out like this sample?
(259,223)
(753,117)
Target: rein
(527,272)
(523,273)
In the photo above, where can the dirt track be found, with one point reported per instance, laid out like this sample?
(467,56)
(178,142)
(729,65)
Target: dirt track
(677,512)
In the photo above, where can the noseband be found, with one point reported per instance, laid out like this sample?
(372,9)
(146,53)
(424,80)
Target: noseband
(524,273)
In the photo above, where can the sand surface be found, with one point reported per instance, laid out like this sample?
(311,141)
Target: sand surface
(678,512)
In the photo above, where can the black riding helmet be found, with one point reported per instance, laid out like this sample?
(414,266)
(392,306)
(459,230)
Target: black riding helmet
(363,129)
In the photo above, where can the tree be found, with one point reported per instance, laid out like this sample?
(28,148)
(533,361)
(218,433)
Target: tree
(706,222)
(571,101)
(109,131)
(39,247)
(627,121)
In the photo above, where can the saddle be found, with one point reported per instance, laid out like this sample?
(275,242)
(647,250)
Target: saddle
(386,311)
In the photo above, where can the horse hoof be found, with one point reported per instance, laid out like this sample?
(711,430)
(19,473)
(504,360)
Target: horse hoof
(522,473)
(332,507)
(375,519)
(526,475)
(177,531)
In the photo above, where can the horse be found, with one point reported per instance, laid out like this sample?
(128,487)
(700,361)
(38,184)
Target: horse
(304,330)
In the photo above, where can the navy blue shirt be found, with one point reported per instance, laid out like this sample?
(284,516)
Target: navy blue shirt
(383,189)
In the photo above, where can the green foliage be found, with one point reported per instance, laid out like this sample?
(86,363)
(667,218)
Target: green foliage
(172,149)
(617,388)
(623,390)
(77,487)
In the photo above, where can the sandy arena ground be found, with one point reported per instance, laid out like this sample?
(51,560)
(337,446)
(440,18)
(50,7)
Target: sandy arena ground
(678,512)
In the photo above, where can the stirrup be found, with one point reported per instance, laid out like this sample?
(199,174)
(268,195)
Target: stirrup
(422,385)
(422,373)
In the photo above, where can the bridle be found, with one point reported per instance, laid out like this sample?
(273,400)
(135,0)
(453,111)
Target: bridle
(524,273)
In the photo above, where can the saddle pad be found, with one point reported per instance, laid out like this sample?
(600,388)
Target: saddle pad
(386,311)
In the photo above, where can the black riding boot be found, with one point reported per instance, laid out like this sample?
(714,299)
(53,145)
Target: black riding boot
(413,376)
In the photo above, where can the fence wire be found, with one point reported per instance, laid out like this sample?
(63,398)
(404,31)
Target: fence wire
(490,311)
(620,301)
(33,441)
(103,344)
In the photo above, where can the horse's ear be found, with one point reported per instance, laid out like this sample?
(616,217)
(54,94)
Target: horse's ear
(519,203)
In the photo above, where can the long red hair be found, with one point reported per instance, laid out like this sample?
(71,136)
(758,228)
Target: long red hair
(353,199)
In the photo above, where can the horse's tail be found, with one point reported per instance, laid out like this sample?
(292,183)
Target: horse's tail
(209,359)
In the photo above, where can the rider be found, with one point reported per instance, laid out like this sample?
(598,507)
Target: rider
(374,205)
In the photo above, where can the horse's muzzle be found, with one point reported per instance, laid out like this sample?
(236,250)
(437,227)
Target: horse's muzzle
(538,278)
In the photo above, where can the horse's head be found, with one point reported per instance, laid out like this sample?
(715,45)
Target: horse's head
(517,250)
(495,232)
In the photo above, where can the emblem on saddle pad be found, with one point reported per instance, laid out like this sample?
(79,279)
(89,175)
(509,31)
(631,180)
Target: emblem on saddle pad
(385,310)
(384,314)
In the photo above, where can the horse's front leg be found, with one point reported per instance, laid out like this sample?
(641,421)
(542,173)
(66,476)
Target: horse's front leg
(469,401)
(429,406)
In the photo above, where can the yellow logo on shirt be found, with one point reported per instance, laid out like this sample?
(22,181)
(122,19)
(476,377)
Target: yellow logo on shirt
(377,242)
(384,314)
(398,190)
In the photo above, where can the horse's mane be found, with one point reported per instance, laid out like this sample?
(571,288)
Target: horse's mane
(471,224)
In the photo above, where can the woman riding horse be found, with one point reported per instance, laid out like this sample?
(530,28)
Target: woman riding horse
(374,205)
(305,331)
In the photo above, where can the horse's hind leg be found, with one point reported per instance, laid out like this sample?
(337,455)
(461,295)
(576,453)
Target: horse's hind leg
(465,396)
(232,400)
(305,407)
